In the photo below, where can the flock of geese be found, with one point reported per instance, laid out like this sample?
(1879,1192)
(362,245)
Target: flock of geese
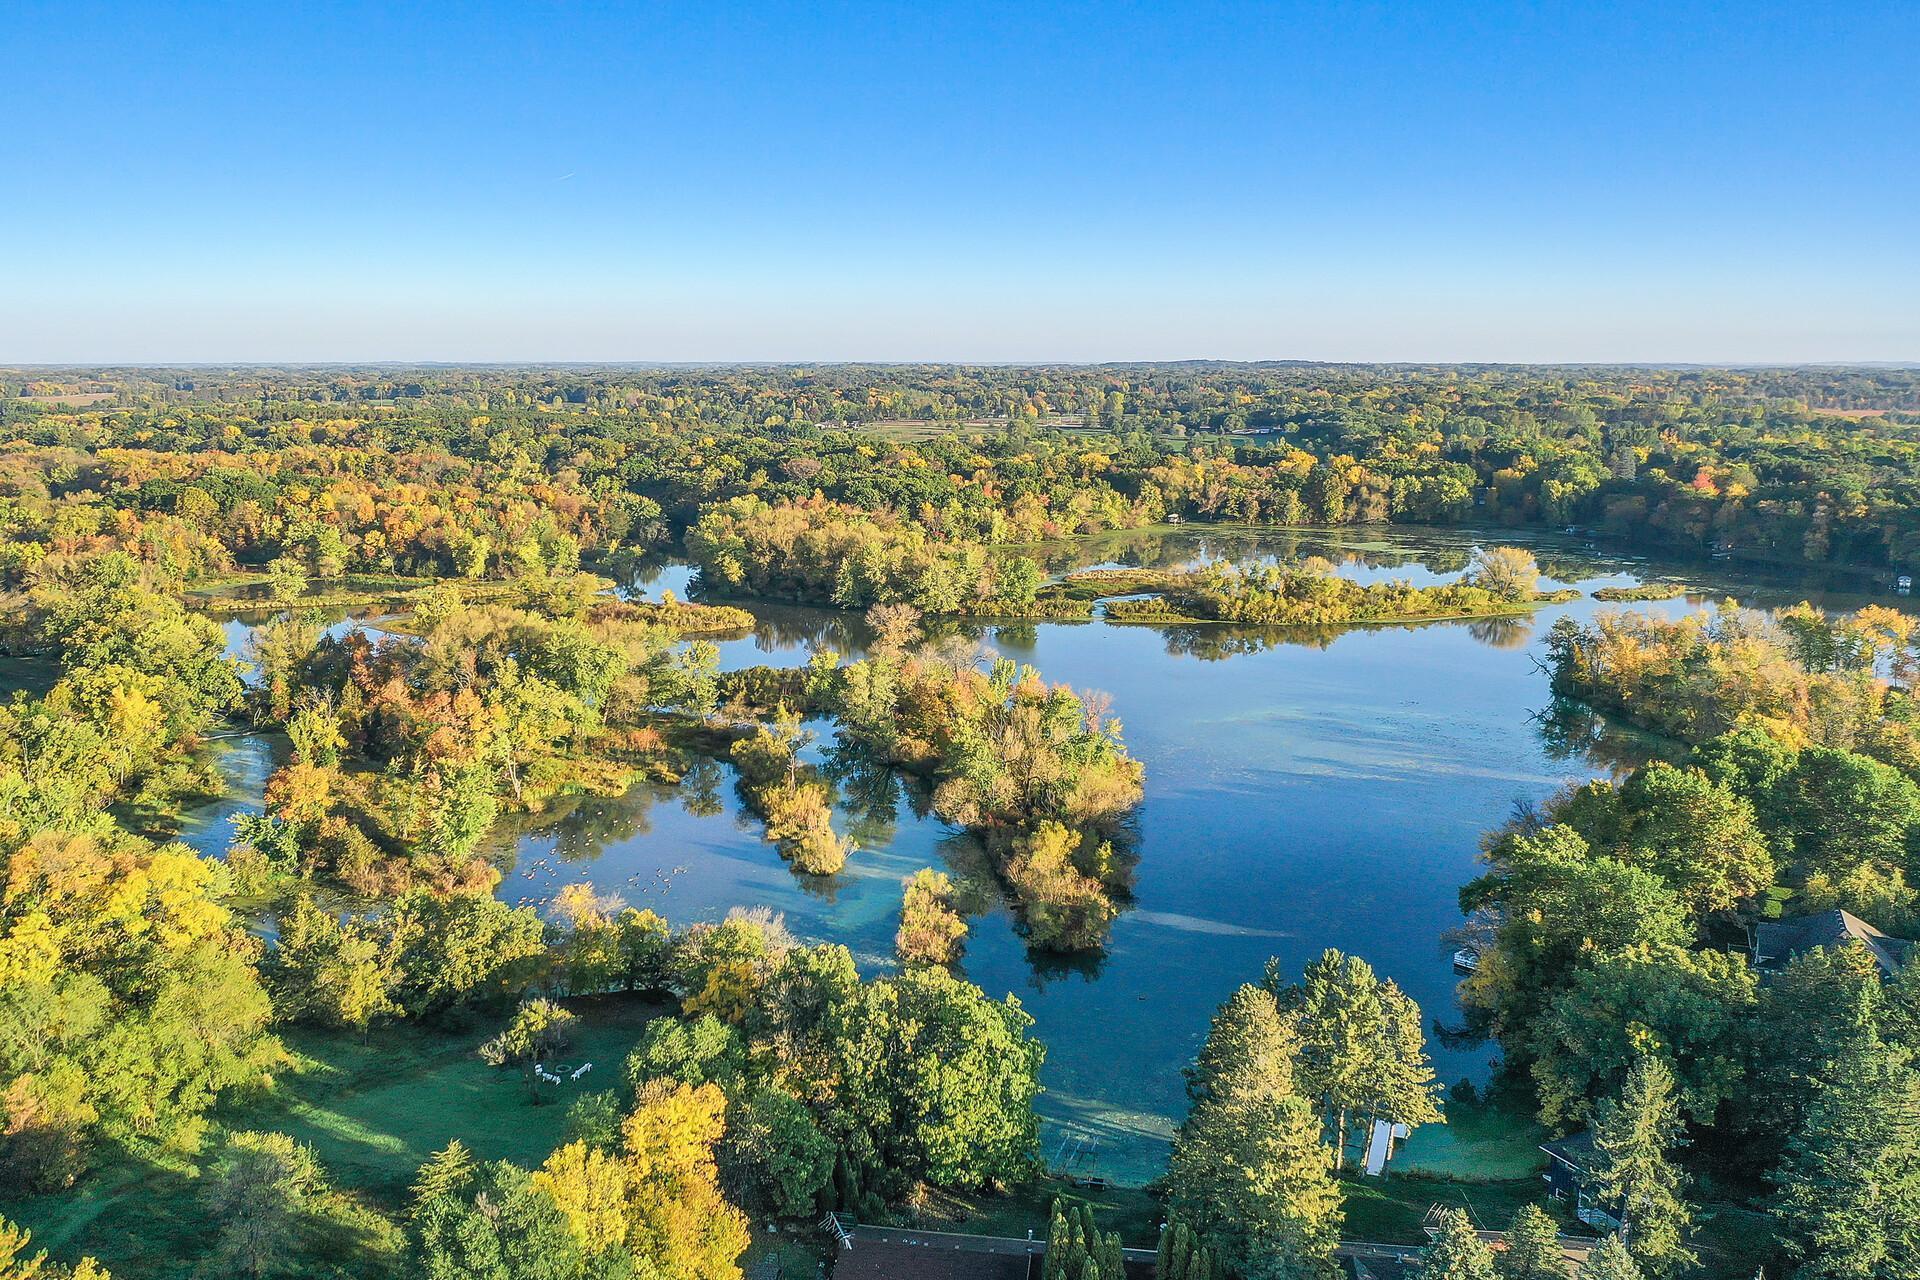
(660,881)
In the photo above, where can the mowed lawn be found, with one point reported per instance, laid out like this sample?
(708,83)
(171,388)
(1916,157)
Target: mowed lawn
(1130,1211)
(373,1109)
(1487,1138)
(1389,1210)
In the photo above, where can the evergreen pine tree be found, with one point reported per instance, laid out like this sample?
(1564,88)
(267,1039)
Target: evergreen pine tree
(446,1172)
(1060,1248)
(1363,1048)
(1249,1169)
(846,1184)
(1182,1257)
(1611,1261)
(1850,1184)
(1456,1252)
(1632,1135)
(1533,1248)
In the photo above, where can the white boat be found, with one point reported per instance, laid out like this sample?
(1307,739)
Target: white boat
(1466,960)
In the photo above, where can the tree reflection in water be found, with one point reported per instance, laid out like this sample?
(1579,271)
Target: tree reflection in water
(1571,730)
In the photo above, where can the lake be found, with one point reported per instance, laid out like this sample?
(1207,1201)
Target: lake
(1302,792)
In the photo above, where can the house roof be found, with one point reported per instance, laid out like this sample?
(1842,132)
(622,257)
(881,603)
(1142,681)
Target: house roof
(1575,1149)
(1778,941)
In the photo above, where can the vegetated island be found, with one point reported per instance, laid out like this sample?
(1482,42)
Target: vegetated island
(1640,593)
(827,554)
(1503,581)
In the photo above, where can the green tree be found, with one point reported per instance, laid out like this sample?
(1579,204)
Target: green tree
(129,1001)
(1533,1248)
(1181,1255)
(775,1152)
(538,1029)
(1362,1046)
(1848,811)
(329,971)
(1633,1136)
(1850,1184)
(446,1173)
(255,1194)
(1611,1260)
(943,1078)
(594,1119)
(1557,904)
(501,1228)
(1064,1253)
(459,949)
(1812,1013)
(1456,1253)
(1753,763)
(1698,836)
(1249,1170)
(1690,1008)
(693,1051)
(462,810)
(286,578)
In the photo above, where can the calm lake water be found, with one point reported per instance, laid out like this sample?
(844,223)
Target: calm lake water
(1302,792)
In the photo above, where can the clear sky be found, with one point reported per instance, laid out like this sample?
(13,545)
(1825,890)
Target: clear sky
(706,181)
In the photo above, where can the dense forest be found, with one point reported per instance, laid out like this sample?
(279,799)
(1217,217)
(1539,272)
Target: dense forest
(153,1001)
(205,469)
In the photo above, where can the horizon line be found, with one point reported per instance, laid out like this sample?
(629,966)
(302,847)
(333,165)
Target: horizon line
(950,362)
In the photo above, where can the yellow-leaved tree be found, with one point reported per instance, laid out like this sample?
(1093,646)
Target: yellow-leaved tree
(677,1220)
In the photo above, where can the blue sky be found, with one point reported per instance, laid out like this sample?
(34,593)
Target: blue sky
(549,181)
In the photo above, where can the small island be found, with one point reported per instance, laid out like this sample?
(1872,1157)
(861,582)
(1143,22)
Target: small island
(1501,581)
(1641,592)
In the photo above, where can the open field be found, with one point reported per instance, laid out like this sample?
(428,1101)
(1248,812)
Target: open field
(69,399)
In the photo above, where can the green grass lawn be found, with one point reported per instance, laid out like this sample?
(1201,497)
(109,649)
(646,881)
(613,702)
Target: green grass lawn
(373,1109)
(1485,1159)
(1130,1211)
(1488,1138)
(1389,1209)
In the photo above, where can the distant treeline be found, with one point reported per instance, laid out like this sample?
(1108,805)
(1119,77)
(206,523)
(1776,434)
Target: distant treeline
(479,470)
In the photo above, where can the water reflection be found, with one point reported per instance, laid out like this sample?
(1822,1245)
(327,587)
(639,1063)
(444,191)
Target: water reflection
(244,762)
(580,828)
(1364,555)
(1216,641)
(1502,633)
(778,630)
(1574,731)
